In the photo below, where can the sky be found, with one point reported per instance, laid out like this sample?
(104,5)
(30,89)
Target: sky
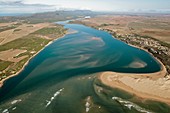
(33,6)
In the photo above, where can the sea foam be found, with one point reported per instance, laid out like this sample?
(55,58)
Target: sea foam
(131,105)
(16,101)
(53,97)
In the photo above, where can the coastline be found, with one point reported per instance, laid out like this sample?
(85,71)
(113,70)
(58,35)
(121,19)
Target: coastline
(50,42)
(161,64)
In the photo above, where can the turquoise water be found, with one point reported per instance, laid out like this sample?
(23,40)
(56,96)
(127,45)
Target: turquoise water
(62,77)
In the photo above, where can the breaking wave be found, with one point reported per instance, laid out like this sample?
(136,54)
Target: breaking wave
(130,105)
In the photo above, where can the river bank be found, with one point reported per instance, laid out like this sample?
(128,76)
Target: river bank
(156,48)
(3,80)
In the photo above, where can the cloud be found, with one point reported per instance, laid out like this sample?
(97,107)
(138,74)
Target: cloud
(17,6)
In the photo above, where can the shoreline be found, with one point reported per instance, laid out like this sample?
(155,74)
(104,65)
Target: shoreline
(3,80)
(26,63)
(162,66)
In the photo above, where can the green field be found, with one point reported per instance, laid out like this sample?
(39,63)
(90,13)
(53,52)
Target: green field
(31,43)
(4,64)
(51,32)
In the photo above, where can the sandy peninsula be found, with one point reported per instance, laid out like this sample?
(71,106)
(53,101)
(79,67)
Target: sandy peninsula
(152,86)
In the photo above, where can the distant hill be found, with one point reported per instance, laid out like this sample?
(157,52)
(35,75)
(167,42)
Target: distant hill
(50,16)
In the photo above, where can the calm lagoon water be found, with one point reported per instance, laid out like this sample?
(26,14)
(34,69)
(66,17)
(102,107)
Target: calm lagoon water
(62,77)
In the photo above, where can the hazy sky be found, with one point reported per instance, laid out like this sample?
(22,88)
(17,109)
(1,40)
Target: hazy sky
(96,5)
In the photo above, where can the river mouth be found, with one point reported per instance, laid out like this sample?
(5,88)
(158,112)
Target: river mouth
(62,77)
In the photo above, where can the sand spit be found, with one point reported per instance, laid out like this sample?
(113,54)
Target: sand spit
(153,86)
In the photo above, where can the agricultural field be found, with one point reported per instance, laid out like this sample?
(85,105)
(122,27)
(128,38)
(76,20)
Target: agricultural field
(20,31)
(16,52)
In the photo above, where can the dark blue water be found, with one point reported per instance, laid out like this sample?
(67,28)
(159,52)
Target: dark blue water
(61,78)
